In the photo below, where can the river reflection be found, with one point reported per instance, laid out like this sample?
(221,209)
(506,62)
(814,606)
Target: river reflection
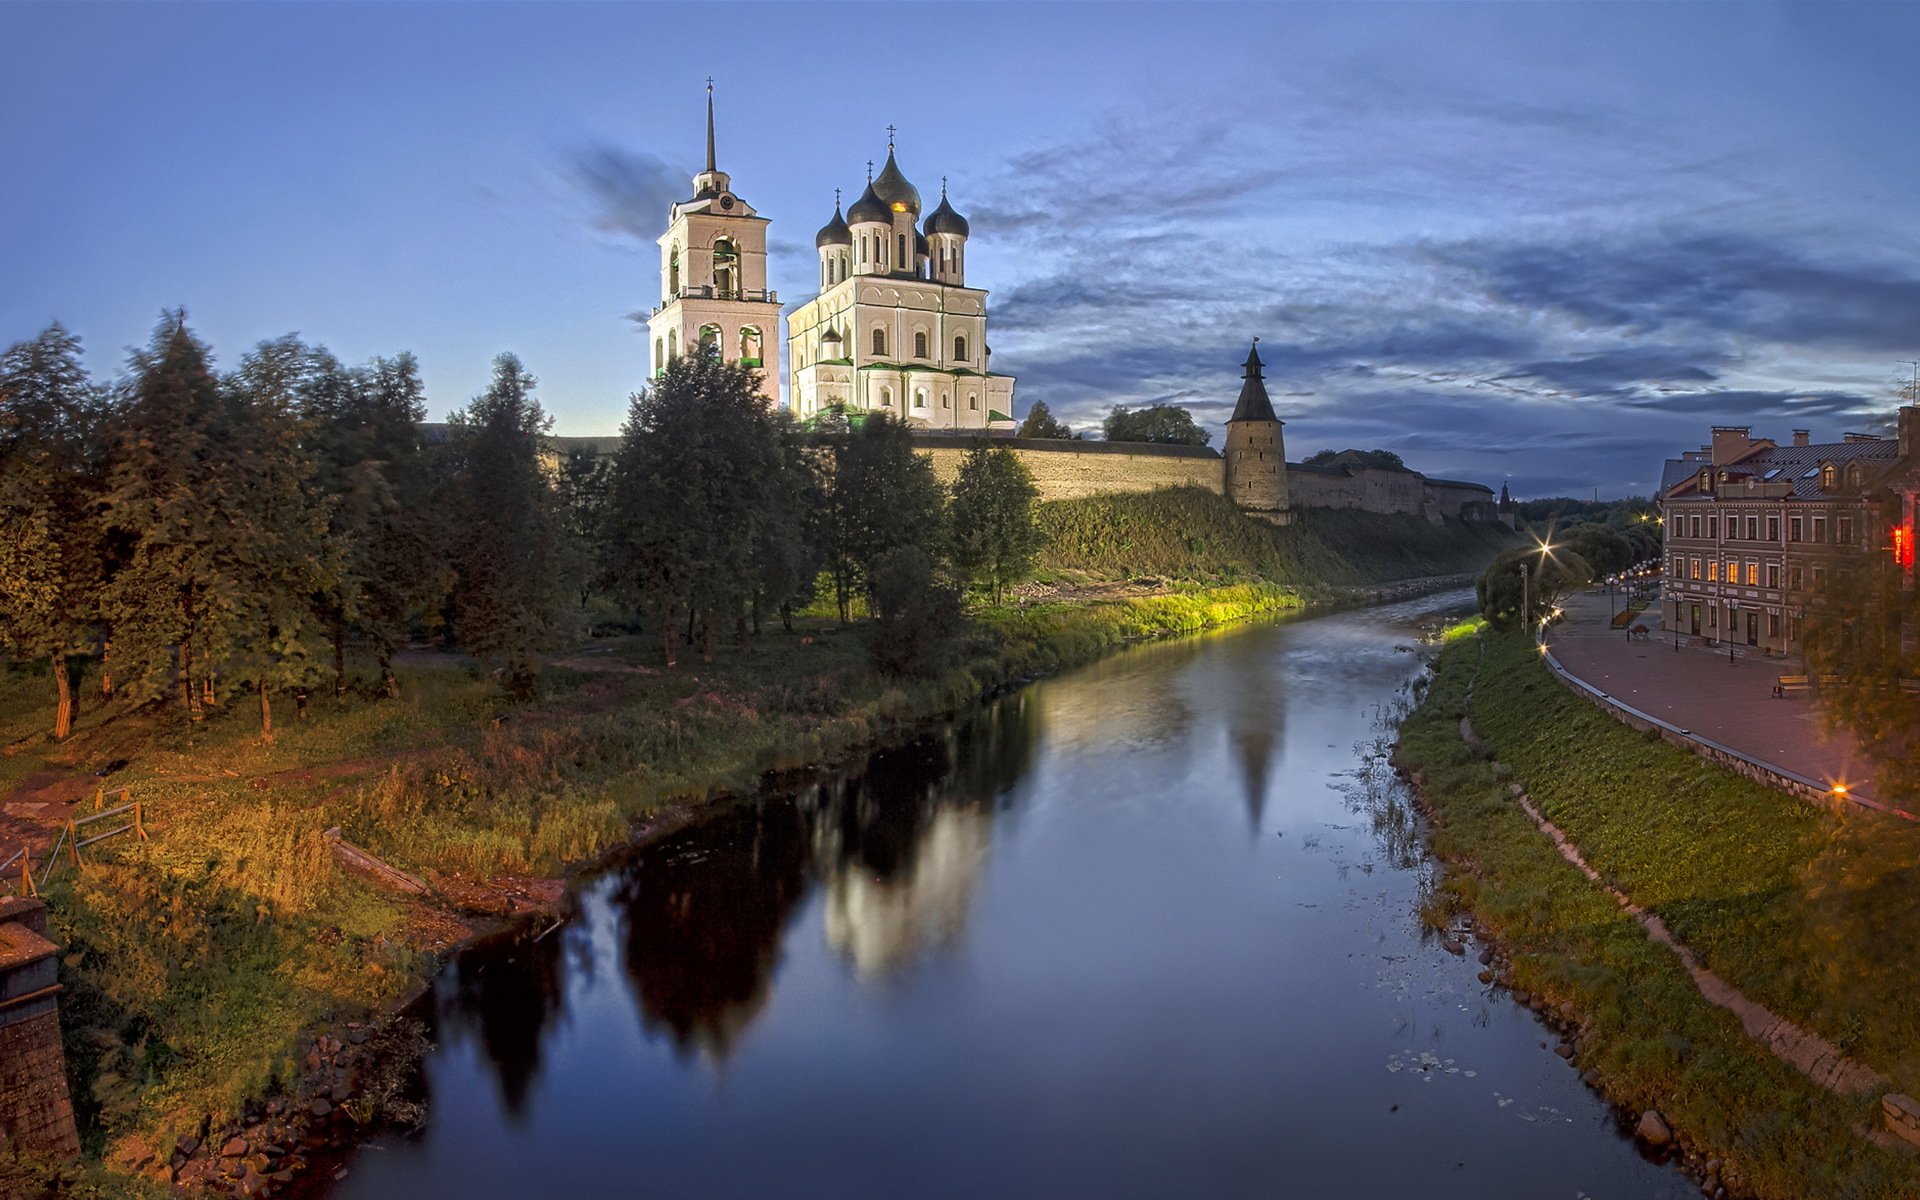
(1148,930)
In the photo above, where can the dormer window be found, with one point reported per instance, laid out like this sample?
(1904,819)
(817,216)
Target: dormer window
(1829,477)
(1706,479)
(1854,475)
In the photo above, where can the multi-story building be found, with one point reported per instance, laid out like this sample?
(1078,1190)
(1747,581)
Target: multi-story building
(1757,533)
(895,328)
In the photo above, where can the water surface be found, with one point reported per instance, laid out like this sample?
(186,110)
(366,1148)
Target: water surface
(1146,930)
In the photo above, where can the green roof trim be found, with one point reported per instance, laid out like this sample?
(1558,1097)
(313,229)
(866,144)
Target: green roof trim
(994,414)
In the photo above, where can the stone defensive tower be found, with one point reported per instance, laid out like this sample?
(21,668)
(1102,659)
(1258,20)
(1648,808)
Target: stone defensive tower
(1256,455)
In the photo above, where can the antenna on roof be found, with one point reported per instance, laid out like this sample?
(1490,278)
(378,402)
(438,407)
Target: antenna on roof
(1913,389)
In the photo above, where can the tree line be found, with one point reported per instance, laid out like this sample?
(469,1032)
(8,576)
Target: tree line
(206,535)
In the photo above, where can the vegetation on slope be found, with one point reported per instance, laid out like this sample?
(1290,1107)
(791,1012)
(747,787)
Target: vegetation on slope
(1194,534)
(1815,914)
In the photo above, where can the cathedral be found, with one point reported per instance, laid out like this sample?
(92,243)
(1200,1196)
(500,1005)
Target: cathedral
(895,328)
(713,280)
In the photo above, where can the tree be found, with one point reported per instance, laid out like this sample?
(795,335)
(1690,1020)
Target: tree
(49,548)
(996,540)
(507,538)
(173,523)
(1607,551)
(884,496)
(283,556)
(1041,424)
(1385,459)
(399,569)
(699,501)
(585,486)
(917,615)
(1858,634)
(1551,577)
(1168,424)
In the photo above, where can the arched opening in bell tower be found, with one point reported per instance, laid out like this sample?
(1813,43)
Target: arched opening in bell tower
(726,269)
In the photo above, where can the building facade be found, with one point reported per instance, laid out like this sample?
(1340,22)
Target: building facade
(713,280)
(895,328)
(1757,533)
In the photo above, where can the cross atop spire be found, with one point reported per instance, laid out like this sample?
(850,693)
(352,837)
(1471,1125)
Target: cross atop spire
(869,170)
(710,167)
(836,199)
(890,132)
(943,187)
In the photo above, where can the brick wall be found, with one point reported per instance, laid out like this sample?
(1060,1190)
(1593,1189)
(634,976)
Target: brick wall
(35,1110)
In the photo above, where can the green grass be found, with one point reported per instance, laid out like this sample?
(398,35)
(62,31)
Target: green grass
(1191,533)
(1811,913)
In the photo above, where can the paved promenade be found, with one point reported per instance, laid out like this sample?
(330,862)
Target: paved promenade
(1697,689)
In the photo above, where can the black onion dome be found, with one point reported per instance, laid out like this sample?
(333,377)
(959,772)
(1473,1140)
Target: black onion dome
(869,207)
(945,220)
(834,232)
(920,244)
(830,335)
(894,190)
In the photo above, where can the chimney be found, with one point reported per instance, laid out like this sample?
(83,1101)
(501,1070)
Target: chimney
(1730,442)
(1861,437)
(1909,430)
(1802,437)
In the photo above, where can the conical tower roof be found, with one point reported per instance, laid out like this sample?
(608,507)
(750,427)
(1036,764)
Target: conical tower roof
(894,190)
(1253,405)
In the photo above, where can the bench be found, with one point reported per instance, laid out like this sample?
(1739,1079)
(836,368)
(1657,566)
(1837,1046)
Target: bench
(1622,619)
(1790,684)
(1639,631)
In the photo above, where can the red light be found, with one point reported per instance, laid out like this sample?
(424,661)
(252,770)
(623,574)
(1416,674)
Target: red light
(1903,545)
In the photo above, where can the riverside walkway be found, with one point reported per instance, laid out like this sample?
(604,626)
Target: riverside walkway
(1698,689)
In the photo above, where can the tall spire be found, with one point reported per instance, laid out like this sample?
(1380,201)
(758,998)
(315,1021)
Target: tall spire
(711,168)
(1253,404)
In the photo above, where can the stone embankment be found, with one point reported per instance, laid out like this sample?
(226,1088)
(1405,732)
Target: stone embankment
(348,1085)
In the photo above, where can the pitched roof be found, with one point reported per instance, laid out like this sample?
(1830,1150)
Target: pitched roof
(1798,465)
(1253,404)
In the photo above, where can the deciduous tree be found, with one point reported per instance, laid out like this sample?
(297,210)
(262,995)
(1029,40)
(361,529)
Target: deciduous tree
(884,497)
(1168,424)
(1040,423)
(994,536)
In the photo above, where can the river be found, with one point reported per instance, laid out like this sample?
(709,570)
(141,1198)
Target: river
(1149,929)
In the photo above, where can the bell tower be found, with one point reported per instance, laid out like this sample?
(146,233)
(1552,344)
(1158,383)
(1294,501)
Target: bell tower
(1256,456)
(714,297)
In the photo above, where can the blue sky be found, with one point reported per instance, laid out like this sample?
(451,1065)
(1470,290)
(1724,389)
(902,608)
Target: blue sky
(1545,243)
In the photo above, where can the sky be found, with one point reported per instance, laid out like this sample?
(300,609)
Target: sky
(1542,244)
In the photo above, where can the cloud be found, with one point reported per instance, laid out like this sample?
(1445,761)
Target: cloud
(630,190)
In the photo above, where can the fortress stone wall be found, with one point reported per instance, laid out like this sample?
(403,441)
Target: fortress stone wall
(35,1111)
(1067,470)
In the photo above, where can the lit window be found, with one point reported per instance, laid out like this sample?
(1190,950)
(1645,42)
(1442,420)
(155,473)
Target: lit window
(1713,570)
(1753,574)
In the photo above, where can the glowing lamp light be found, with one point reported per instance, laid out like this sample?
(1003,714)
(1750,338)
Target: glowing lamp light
(1839,791)
(1903,545)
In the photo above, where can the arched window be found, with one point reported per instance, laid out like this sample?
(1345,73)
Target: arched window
(973,402)
(1829,477)
(903,249)
(709,339)
(879,341)
(1853,477)
(673,272)
(726,269)
(749,346)
(960,349)
(659,356)
(673,343)
(886,397)
(919,343)
(946,400)
(919,398)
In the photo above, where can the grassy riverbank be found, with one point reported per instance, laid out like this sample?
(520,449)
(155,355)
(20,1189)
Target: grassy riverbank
(199,963)
(1814,914)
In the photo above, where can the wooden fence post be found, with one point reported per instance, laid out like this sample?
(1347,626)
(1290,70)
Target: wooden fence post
(73,842)
(26,874)
(139,827)
(100,798)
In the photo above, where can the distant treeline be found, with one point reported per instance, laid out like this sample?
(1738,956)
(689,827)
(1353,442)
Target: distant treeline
(206,535)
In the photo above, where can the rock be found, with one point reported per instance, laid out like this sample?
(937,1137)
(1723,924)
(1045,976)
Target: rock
(1902,1114)
(320,1108)
(1486,957)
(1485,977)
(185,1145)
(276,1106)
(1563,1050)
(1653,1129)
(1453,945)
(1710,1186)
(236,1147)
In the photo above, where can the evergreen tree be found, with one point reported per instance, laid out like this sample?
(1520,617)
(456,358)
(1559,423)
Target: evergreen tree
(585,488)
(701,502)
(174,600)
(283,556)
(49,550)
(884,497)
(1040,423)
(1168,424)
(402,569)
(996,540)
(507,537)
